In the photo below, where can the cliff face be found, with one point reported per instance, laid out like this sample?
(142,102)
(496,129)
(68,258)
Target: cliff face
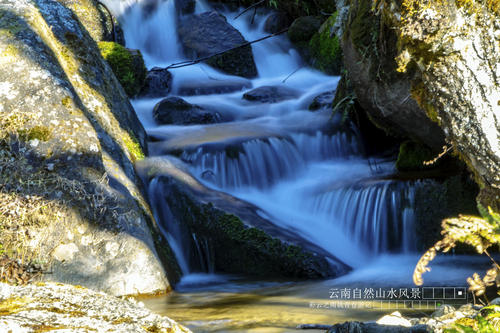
(428,69)
(69,137)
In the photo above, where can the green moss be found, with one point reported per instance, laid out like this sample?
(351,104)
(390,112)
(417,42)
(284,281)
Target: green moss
(326,50)
(133,147)
(41,133)
(128,67)
(412,156)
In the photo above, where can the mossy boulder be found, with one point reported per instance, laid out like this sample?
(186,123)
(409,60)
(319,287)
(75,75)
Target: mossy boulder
(127,64)
(71,199)
(326,52)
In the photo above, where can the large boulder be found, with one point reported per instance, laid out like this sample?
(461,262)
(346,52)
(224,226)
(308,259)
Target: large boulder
(369,49)
(429,72)
(270,94)
(176,111)
(69,193)
(209,33)
(455,50)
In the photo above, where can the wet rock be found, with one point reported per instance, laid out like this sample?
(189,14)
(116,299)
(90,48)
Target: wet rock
(270,94)
(276,22)
(303,28)
(58,92)
(322,101)
(176,111)
(158,83)
(47,307)
(208,34)
(212,87)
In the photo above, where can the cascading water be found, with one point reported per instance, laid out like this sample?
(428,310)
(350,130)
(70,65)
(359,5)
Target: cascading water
(277,146)
(303,170)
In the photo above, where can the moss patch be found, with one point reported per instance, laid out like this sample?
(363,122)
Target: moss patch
(128,67)
(133,147)
(325,49)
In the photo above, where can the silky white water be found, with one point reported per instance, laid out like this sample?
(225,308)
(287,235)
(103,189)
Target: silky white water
(302,175)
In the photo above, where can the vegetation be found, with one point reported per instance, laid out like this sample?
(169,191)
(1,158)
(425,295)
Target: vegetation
(325,48)
(128,67)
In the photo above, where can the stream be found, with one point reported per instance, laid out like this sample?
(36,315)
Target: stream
(303,171)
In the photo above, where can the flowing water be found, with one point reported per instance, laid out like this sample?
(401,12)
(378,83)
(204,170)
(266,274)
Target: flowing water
(304,170)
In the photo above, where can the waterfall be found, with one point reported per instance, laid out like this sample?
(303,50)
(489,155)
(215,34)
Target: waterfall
(303,171)
(262,162)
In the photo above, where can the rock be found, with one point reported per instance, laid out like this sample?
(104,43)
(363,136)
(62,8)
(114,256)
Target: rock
(270,94)
(158,83)
(322,101)
(97,20)
(326,53)
(209,33)
(394,319)
(383,92)
(238,240)
(48,306)
(276,22)
(57,89)
(176,111)
(127,65)
(185,7)
(456,74)
(191,88)
(303,28)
